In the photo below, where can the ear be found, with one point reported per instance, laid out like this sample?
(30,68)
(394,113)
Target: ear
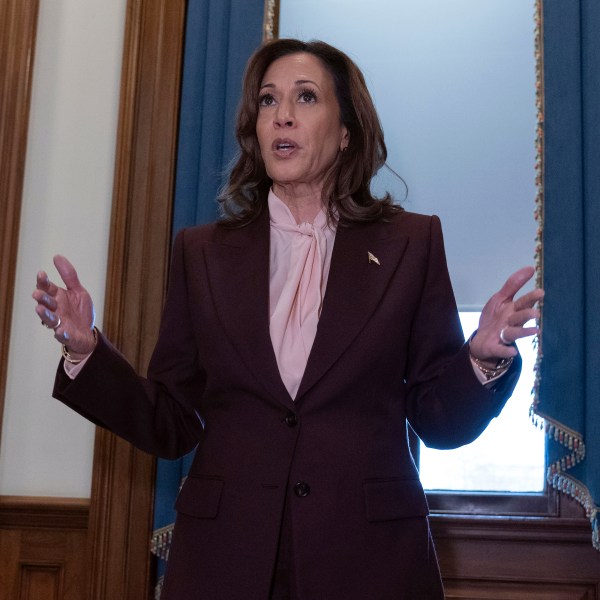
(345,141)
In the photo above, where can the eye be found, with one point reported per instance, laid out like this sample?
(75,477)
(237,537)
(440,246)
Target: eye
(266,100)
(307,97)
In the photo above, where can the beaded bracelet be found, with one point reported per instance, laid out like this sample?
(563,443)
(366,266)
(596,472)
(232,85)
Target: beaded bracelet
(76,361)
(501,366)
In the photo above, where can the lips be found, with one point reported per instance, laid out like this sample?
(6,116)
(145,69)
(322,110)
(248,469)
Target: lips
(284,146)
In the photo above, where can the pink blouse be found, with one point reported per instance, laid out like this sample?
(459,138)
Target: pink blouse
(299,267)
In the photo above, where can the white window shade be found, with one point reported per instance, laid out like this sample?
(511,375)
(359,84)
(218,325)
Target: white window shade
(454,85)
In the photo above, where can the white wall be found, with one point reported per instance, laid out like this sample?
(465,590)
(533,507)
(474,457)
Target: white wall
(454,85)
(46,448)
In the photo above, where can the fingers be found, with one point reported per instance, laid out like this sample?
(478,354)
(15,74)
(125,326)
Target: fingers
(528,300)
(47,296)
(68,312)
(523,311)
(67,272)
(511,334)
(515,282)
(504,318)
(60,334)
(44,284)
(41,280)
(44,299)
(519,318)
(515,326)
(48,318)
(489,347)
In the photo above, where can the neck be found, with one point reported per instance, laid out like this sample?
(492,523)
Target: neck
(303,201)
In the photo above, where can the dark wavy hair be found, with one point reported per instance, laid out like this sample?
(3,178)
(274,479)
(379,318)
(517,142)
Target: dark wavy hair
(346,190)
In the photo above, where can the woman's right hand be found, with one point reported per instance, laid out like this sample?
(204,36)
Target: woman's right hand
(68,311)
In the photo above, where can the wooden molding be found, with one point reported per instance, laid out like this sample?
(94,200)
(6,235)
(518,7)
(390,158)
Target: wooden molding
(123,477)
(521,558)
(18,25)
(42,545)
(523,529)
(23,512)
(518,590)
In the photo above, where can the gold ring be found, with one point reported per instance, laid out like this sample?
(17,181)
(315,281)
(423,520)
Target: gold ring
(55,326)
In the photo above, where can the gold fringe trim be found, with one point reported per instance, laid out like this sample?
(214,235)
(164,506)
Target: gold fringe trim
(566,437)
(539,183)
(556,474)
(160,543)
(158,588)
(580,493)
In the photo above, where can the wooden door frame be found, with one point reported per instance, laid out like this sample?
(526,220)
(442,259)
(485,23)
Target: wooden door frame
(120,565)
(18,27)
(121,506)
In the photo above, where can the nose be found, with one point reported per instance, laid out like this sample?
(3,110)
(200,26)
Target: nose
(284,116)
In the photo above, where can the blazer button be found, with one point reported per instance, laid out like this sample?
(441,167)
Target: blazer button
(291,419)
(302,489)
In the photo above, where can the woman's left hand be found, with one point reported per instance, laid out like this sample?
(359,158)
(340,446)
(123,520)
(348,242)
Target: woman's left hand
(503,318)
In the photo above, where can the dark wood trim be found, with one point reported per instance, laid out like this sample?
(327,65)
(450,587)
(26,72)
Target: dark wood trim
(18,26)
(123,477)
(521,558)
(517,529)
(23,512)
(42,545)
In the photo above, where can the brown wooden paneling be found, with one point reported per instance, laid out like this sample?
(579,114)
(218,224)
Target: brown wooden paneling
(123,477)
(518,590)
(518,557)
(41,581)
(18,23)
(42,545)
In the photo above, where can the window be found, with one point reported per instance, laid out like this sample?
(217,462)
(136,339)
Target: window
(507,457)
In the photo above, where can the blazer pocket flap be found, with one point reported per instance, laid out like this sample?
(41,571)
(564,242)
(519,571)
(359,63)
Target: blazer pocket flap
(200,497)
(389,499)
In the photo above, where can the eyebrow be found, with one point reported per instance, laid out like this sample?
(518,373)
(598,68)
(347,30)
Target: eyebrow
(297,83)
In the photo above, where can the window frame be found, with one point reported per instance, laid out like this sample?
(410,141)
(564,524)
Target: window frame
(495,504)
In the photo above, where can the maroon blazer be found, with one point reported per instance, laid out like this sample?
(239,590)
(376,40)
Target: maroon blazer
(388,348)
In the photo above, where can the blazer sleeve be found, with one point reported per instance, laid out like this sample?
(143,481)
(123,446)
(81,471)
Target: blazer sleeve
(447,405)
(158,414)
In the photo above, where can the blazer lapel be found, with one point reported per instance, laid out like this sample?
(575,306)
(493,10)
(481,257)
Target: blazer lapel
(238,269)
(363,261)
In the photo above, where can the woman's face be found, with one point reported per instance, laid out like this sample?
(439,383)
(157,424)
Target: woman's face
(298,125)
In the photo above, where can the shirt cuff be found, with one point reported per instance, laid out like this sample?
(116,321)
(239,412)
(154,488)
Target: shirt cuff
(480,376)
(73,370)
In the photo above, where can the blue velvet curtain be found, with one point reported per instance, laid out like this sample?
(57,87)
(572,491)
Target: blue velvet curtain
(220,37)
(569,393)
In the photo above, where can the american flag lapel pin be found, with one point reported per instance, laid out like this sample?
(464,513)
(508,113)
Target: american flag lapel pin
(373,258)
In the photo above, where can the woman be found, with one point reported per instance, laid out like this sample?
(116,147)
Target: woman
(299,335)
